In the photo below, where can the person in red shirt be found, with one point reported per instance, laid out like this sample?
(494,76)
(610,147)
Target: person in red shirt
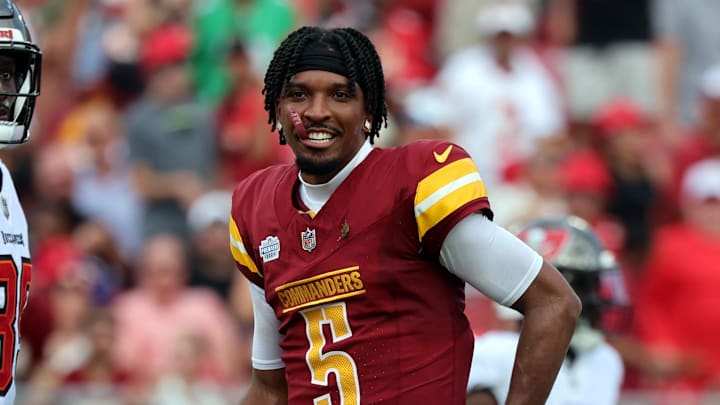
(678,300)
(245,146)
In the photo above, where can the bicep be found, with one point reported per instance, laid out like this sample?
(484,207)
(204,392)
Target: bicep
(490,258)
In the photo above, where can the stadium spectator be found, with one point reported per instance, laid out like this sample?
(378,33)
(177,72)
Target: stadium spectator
(619,56)
(703,139)
(588,186)
(506,103)
(217,24)
(687,38)
(313,240)
(66,347)
(537,190)
(454,20)
(213,266)
(172,146)
(245,143)
(641,169)
(99,378)
(677,294)
(102,183)
(185,384)
(152,316)
(106,269)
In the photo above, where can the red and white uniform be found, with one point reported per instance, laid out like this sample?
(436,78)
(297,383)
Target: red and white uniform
(15,271)
(362,307)
(593,377)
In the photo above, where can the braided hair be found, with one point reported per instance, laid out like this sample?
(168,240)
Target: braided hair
(360,57)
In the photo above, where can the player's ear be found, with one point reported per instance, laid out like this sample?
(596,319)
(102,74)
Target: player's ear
(367,122)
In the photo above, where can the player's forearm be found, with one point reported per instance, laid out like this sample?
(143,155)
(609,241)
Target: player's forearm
(259,396)
(268,387)
(541,349)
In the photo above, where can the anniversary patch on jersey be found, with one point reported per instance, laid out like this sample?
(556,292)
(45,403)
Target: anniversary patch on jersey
(327,287)
(270,248)
(444,191)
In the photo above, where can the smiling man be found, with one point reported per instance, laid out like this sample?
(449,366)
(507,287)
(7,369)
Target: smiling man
(358,256)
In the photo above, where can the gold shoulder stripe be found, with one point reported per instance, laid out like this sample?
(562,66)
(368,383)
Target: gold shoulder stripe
(237,248)
(445,190)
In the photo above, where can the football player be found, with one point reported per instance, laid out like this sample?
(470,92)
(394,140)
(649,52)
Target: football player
(358,256)
(592,372)
(20,61)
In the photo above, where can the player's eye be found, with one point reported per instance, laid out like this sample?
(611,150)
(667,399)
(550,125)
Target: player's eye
(295,94)
(6,75)
(342,95)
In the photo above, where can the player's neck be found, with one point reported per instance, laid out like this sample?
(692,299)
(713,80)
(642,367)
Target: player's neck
(314,196)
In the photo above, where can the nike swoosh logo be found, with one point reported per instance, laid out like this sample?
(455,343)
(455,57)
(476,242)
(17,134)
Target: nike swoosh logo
(442,157)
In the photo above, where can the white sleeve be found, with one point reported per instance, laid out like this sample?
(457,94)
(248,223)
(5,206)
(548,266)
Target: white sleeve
(266,352)
(490,258)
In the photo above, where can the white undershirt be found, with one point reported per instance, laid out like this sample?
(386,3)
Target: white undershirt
(486,256)
(316,195)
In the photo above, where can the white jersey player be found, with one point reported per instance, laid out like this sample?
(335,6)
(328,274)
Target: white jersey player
(20,62)
(593,371)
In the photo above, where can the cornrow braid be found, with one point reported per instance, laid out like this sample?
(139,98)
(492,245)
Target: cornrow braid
(360,57)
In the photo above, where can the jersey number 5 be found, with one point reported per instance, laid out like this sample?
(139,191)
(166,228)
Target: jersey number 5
(9,314)
(338,362)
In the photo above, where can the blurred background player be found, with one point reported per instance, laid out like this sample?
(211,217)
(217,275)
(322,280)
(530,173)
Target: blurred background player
(592,372)
(19,86)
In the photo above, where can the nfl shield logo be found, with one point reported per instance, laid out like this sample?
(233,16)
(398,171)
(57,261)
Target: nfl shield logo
(308,239)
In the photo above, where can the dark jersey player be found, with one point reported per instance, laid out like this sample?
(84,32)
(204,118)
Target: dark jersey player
(19,86)
(358,256)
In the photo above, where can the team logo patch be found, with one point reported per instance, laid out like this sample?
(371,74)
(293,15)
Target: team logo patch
(270,248)
(547,242)
(307,238)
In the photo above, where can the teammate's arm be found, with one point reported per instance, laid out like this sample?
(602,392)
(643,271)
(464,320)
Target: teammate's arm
(550,309)
(267,387)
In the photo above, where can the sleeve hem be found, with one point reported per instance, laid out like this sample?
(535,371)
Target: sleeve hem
(260,364)
(533,271)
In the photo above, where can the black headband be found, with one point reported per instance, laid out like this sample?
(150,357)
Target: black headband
(319,56)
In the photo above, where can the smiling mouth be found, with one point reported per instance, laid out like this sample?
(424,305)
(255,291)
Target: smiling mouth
(319,137)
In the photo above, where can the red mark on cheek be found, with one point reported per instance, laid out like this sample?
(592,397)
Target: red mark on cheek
(297,123)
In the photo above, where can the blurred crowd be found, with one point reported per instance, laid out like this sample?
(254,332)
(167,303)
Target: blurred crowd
(151,110)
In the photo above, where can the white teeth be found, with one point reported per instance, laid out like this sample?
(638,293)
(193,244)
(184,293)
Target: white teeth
(319,136)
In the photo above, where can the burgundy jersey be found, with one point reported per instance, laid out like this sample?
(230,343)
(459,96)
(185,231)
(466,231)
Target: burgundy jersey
(366,312)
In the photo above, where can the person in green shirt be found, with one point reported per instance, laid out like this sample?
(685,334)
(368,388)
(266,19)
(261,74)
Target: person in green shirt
(260,24)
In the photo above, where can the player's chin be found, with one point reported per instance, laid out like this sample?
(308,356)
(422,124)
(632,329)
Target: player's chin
(317,164)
